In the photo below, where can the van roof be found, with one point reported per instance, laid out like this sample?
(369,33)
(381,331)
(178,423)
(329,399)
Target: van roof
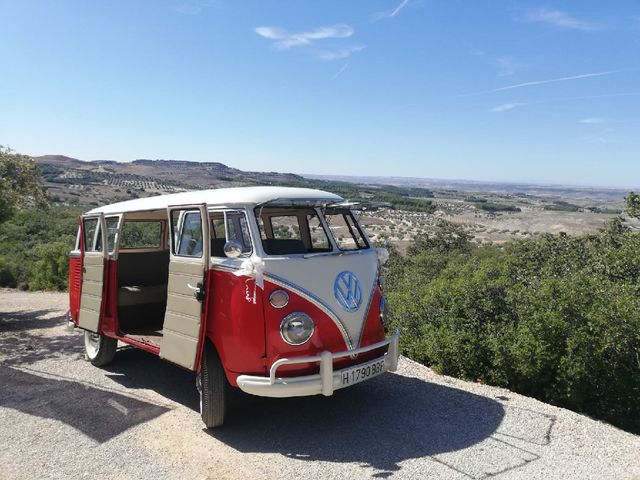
(230,197)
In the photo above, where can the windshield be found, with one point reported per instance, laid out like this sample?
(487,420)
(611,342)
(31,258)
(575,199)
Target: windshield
(286,231)
(345,229)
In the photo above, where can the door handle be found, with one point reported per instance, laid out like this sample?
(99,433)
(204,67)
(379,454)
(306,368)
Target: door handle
(198,291)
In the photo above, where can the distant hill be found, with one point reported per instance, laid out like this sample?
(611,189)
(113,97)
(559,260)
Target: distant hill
(77,182)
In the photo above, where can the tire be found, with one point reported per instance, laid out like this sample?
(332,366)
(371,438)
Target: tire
(212,386)
(98,349)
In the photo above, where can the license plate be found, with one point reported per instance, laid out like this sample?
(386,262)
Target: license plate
(362,372)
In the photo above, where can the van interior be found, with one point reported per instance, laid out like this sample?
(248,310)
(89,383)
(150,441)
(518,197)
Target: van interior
(142,278)
(143,253)
(143,264)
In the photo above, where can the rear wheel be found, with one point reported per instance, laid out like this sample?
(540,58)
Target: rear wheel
(99,350)
(212,386)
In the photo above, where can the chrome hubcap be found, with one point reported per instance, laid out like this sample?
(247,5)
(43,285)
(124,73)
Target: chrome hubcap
(91,344)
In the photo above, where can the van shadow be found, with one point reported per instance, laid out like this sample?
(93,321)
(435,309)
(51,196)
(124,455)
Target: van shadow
(379,423)
(137,369)
(99,414)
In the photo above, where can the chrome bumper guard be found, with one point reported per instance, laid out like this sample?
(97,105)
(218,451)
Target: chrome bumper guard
(324,382)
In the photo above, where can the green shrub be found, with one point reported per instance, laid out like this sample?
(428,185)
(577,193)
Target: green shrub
(555,317)
(34,248)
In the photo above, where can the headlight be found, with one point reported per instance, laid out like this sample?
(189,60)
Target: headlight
(296,328)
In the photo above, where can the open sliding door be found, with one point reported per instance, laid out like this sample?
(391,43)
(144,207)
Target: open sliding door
(94,242)
(189,259)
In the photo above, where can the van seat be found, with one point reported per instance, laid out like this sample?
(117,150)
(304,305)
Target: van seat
(217,247)
(141,294)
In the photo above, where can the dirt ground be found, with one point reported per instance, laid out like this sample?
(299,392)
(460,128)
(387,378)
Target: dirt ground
(137,418)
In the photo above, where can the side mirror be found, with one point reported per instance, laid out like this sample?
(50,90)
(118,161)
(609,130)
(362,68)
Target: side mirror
(232,249)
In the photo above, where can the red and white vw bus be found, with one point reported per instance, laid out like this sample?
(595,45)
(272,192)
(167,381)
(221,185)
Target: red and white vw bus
(272,290)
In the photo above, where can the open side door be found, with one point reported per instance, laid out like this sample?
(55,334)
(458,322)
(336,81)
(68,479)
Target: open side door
(189,259)
(94,231)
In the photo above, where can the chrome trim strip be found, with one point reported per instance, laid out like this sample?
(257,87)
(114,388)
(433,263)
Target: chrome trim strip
(225,268)
(281,282)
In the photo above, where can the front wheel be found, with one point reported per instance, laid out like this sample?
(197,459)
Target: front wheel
(212,386)
(99,350)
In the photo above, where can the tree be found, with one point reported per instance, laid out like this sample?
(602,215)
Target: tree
(633,204)
(20,183)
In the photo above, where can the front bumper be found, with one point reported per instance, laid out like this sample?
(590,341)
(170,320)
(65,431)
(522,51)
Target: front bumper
(324,382)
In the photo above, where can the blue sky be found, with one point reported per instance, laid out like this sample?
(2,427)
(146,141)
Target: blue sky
(483,90)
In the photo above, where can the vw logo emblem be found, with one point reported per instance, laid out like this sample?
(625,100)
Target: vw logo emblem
(347,290)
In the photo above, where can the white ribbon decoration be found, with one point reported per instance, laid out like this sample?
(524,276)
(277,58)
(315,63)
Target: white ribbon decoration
(252,267)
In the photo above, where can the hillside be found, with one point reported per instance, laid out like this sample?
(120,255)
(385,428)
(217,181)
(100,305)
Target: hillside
(76,182)
(404,207)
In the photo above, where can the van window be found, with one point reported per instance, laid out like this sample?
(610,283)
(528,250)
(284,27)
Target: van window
(190,239)
(238,230)
(141,234)
(235,228)
(112,229)
(90,225)
(285,227)
(319,240)
(286,231)
(345,230)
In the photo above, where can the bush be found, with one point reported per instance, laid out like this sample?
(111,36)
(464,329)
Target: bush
(34,248)
(556,317)
(8,273)
(51,271)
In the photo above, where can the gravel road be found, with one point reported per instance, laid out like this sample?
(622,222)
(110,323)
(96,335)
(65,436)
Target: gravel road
(60,417)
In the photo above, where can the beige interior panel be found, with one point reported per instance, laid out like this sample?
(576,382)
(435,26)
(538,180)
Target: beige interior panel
(190,267)
(185,325)
(179,349)
(91,298)
(179,287)
(92,288)
(183,316)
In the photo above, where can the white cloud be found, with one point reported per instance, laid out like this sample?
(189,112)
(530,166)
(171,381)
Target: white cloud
(339,54)
(391,13)
(593,120)
(284,40)
(559,19)
(543,82)
(506,107)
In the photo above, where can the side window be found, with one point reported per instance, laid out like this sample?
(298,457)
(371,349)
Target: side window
(217,226)
(238,230)
(190,237)
(112,230)
(90,225)
(229,226)
(140,234)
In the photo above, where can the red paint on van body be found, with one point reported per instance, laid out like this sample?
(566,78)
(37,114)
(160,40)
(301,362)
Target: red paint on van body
(244,328)
(75,286)
(235,323)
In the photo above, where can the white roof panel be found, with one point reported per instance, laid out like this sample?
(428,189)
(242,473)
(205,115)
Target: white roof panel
(225,196)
